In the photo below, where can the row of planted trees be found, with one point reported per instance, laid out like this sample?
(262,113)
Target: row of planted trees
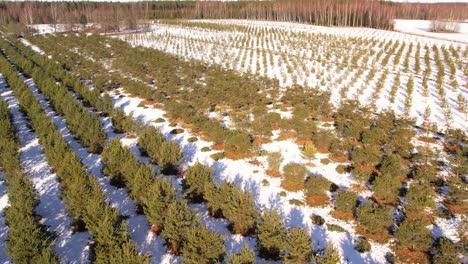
(171,217)
(27,240)
(82,196)
(380,152)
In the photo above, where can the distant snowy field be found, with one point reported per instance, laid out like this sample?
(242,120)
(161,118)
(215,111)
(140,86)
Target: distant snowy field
(423,28)
(370,65)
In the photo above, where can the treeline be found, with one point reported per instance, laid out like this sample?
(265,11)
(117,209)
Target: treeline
(376,14)
(81,193)
(27,240)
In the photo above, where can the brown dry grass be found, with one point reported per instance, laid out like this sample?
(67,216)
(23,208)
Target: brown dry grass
(236,156)
(273,173)
(427,139)
(358,188)
(292,186)
(218,147)
(262,140)
(318,200)
(381,237)
(341,158)
(347,216)
(405,255)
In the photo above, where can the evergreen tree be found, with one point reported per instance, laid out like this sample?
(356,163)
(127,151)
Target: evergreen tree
(374,218)
(151,140)
(293,177)
(328,256)
(345,201)
(245,256)
(239,208)
(414,235)
(298,246)
(386,188)
(170,155)
(203,246)
(177,223)
(392,165)
(159,196)
(196,177)
(445,252)
(271,235)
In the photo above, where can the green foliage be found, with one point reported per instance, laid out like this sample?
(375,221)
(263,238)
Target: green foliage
(345,201)
(374,218)
(238,144)
(341,169)
(366,154)
(414,235)
(245,256)
(419,196)
(271,235)
(317,186)
(274,161)
(196,177)
(328,256)
(393,165)
(203,246)
(298,246)
(445,252)
(151,140)
(362,245)
(161,194)
(232,202)
(293,176)
(386,188)
(335,228)
(178,222)
(317,219)
(170,155)
(217,156)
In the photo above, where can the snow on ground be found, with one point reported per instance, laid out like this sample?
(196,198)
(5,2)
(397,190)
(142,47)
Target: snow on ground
(423,28)
(340,61)
(3,204)
(69,247)
(250,177)
(138,225)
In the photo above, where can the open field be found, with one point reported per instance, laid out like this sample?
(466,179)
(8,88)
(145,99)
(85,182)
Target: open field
(234,141)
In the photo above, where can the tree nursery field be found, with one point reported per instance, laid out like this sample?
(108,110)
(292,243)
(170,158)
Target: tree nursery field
(233,141)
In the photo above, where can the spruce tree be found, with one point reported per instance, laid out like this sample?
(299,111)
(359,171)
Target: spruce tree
(298,246)
(196,177)
(151,140)
(375,219)
(245,256)
(414,235)
(203,246)
(178,220)
(159,196)
(271,235)
(328,256)
(169,156)
(386,188)
(445,252)
(239,208)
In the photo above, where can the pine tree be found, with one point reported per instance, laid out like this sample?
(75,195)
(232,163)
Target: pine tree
(392,165)
(203,246)
(328,256)
(345,201)
(196,177)
(414,235)
(239,208)
(386,188)
(293,177)
(298,246)
(245,256)
(179,219)
(445,252)
(151,140)
(374,218)
(271,235)
(169,156)
(159,196)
